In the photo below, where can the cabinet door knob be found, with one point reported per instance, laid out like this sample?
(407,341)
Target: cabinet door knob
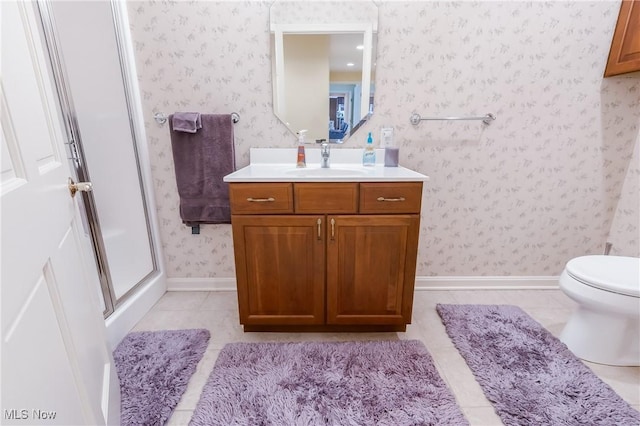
(319,222)
(333,229)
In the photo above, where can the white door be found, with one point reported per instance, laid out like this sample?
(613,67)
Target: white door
(56,364)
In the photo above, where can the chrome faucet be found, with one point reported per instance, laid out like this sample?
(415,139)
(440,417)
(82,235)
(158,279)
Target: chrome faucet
(325,153)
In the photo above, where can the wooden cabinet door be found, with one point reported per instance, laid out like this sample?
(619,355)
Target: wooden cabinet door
(624,55)
(280,267)
(371,264)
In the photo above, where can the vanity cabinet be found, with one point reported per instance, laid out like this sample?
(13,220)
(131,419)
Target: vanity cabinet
(325,255)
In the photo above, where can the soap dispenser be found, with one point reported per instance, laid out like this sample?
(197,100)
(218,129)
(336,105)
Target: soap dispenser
(391,152)
(302,161)
(369,155)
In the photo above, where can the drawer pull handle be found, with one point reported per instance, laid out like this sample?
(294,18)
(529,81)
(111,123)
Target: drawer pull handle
(391,199)
(333,229)
(319,222)
(261,200)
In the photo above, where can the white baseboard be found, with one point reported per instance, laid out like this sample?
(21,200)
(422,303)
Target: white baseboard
(487,283)
(422,283)
(201,284)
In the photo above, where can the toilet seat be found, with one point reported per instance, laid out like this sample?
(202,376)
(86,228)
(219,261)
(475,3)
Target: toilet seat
(616,274)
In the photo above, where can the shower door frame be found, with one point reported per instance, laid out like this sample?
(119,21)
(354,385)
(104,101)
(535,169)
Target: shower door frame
(89,209)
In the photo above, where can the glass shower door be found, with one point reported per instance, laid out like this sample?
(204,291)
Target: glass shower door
(92,73)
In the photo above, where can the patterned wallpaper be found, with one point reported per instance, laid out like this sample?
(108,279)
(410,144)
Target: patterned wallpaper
(625,230)
(537,187)
(288,12)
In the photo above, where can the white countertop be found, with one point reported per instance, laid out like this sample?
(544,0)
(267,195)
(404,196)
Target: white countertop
(279,165)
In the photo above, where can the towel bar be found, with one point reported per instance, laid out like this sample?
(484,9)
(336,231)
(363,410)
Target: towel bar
(162,118)
(486,119)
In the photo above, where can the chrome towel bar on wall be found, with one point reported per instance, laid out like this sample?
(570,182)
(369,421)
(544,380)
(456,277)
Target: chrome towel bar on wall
(162,118)
(486,119)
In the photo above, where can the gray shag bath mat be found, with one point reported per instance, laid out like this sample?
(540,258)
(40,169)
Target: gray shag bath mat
(529,375)
(326,383)
(154,368)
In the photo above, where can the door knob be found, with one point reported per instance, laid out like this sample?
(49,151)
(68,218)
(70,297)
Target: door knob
(80,186)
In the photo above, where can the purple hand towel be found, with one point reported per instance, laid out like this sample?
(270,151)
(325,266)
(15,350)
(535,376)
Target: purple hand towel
(188,122)
(201,161)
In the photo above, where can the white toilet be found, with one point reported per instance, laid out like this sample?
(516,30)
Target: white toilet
(605,327)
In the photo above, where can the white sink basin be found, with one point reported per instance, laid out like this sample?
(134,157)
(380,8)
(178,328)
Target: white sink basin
(331,172)
(278,165)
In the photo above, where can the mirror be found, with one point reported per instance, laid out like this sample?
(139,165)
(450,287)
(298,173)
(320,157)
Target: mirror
(323,66)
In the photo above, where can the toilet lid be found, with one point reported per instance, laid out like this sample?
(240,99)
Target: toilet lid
(618,274)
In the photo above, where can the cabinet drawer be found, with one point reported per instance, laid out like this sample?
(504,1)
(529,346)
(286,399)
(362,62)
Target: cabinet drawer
(323,197)
(264,198)
(390,197)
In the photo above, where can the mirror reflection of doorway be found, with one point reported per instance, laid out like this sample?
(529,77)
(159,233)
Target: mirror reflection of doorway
(340,116)
(333,113)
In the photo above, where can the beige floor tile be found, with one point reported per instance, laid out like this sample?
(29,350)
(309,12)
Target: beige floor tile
(181,300)
(220,301)
(287,337)
(180,418)
(624,380)
(191,395)
(435,335)
(224,327)
(170,320)
(414,332)
(534,298)
(552,319)
(459,378)
(428,298)
(218,312)
(481,416)
(482,297)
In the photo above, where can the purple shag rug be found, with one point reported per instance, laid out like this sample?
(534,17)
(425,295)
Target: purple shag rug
(326,383)
(154,368)
(530,376)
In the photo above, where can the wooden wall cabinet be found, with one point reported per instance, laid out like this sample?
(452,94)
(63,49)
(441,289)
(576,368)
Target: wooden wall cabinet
(624,55)
(325,256)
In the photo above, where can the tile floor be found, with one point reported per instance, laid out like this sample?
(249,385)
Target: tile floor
(218,312)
